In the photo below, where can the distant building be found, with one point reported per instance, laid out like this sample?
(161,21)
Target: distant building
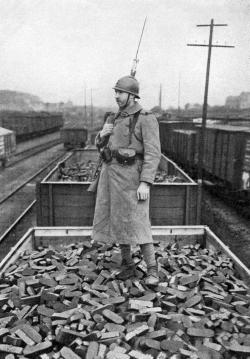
(193,106)
(52,107)
(233,102)
(238,102)
(244,100)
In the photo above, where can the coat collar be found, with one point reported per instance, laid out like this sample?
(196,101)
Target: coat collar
(131,110)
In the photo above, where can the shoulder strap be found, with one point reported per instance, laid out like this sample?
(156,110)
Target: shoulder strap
(132,124)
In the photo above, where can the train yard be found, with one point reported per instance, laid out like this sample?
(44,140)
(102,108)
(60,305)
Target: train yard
(57,196)
(61,290)
(125,220)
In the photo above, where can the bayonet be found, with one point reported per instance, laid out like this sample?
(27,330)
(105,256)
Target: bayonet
(136,60)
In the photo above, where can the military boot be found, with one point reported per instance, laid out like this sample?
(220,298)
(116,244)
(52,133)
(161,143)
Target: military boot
(152,276)
(127,270)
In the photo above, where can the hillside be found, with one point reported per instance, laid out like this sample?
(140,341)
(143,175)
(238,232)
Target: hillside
(19,101)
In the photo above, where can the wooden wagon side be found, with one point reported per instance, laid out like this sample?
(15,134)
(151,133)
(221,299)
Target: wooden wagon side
(183,235)
(70,204)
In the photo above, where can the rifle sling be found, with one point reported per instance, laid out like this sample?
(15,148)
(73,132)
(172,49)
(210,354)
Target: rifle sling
(132,124)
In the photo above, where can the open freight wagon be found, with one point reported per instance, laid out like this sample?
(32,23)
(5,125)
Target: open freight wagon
(226,160)
(227,155)
(70,204)
(55,237)
(74,136)
(30,124)
(200,309)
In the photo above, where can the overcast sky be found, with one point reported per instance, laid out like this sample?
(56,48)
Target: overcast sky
(54,48)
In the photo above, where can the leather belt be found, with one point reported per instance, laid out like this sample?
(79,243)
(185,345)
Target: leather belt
(138,156)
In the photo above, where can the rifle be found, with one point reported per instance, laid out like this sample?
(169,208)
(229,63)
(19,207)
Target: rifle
(136,60)
(95,177)
(96,174)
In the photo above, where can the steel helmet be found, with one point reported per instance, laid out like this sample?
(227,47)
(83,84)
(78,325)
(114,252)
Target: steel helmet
(128,84)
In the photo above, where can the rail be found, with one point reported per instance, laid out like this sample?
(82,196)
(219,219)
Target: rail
(19,225)
(29,152)
(32,178)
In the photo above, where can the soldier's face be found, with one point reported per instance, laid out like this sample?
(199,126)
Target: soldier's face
(121,98)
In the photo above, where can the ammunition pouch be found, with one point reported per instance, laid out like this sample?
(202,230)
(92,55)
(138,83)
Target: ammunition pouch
(125,156)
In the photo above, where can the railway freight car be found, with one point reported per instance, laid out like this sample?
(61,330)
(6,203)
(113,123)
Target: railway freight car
(182,147)
(176,236)
(30,124)
(69,203)
(7,145)
(166,128)
(226,154)
(61,297)
(74,136)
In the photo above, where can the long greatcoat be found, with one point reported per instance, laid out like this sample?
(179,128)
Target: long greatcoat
(119,216)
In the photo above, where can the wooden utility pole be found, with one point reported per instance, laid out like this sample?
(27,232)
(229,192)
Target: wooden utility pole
(85,105)
(179,94)
(160,96)
(91,113)
(204,110)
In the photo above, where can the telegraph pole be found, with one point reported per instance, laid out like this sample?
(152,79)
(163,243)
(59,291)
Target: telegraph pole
(204,110)
(85,105)
(91,113)
(179,94)
(160,96)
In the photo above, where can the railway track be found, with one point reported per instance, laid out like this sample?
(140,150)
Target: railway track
(239,203)
(18,208)
(228,225)
(29,152)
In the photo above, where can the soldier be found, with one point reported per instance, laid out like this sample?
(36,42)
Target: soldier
(130,147)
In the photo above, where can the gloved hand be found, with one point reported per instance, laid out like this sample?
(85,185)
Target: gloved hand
(106,130)
(143,191)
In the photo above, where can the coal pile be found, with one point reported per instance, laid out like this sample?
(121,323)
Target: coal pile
(163,177)
(83,172)
(68,303)
(79,172)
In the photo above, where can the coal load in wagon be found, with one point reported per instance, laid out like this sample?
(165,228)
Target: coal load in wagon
(67,302)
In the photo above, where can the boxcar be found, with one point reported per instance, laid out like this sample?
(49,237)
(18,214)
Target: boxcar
(226,158)
(30,124)
(227,155)
(70,204)
(183,147)
(166,133)
(182,235)
(7,145)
